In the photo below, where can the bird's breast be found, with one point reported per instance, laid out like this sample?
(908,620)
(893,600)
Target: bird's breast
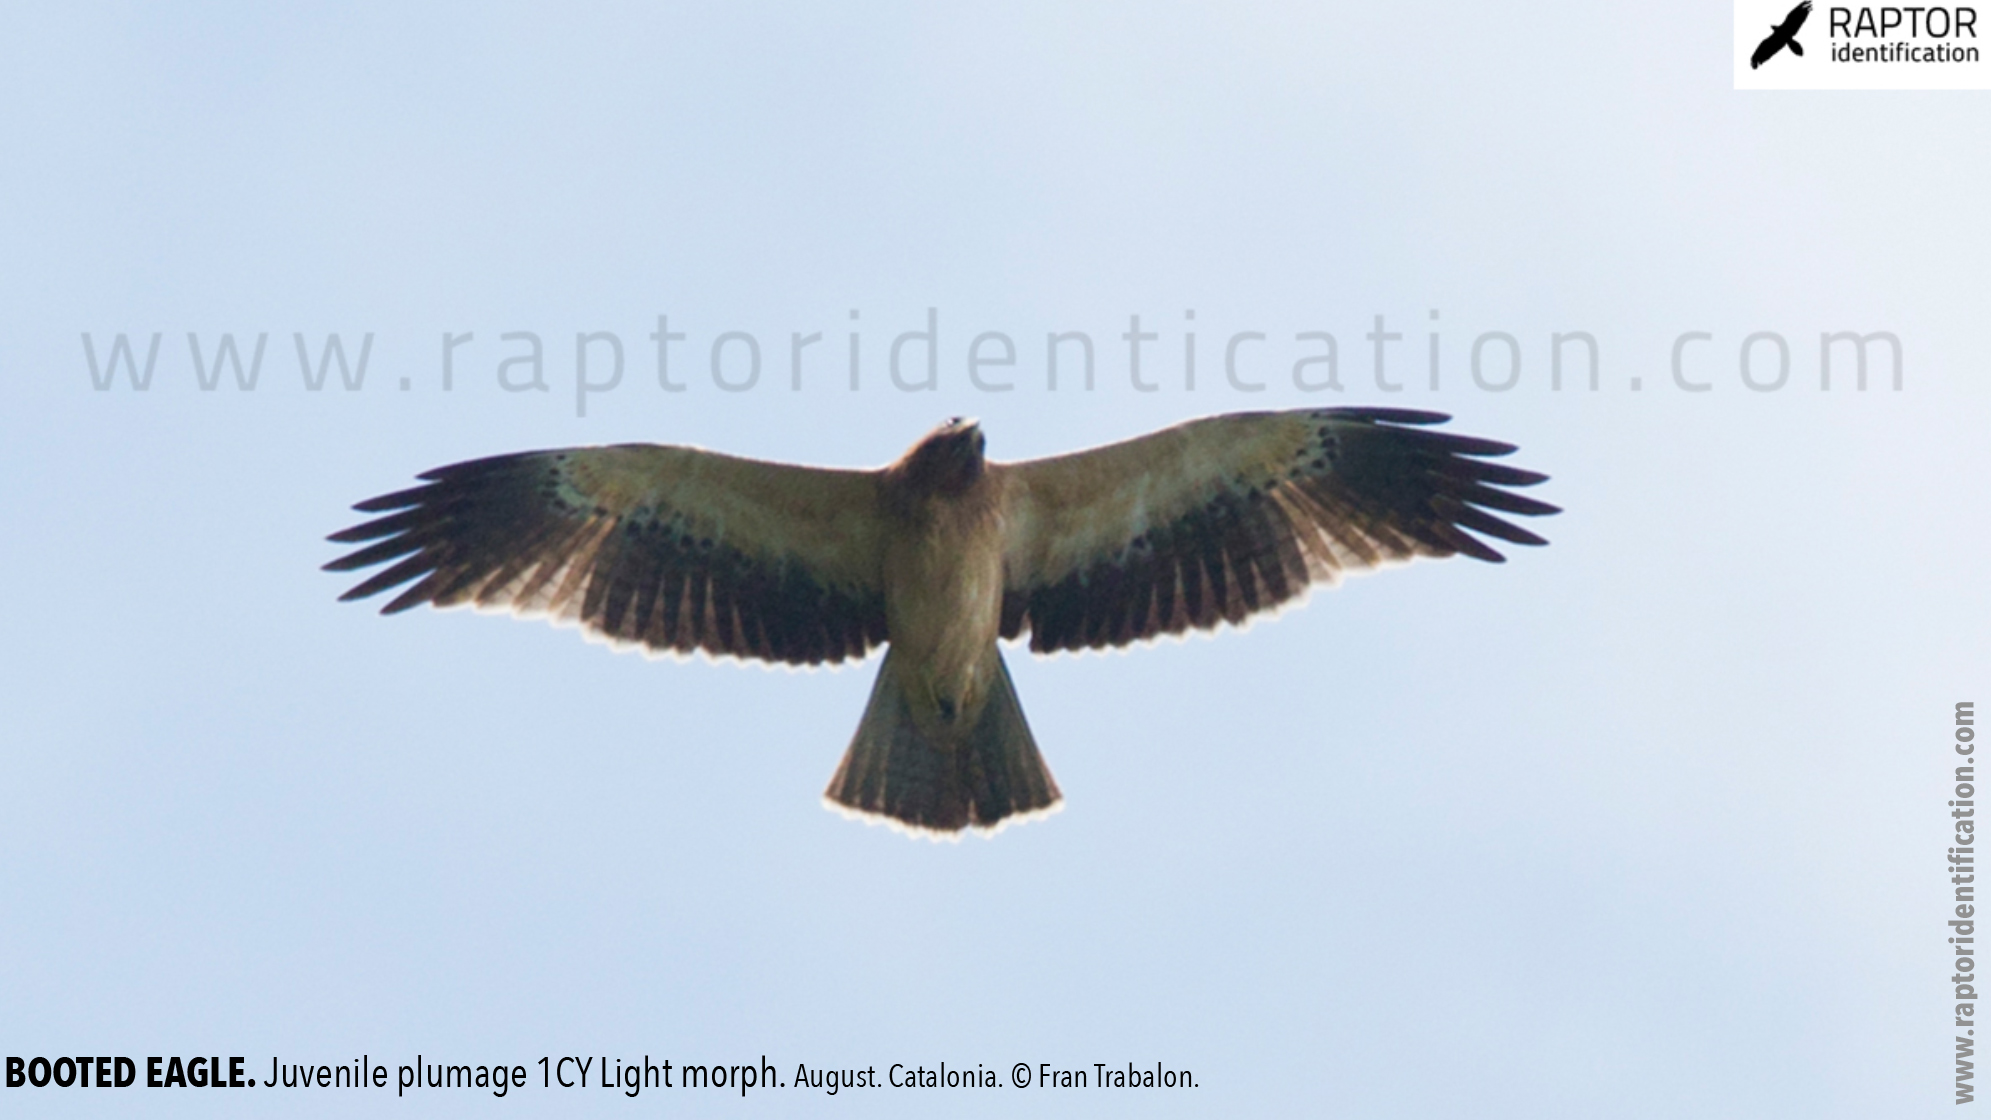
(943,600)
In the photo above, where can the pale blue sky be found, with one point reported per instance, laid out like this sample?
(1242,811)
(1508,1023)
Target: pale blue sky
(1646,823)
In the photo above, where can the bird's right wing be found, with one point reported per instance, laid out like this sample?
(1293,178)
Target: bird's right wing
(673,548)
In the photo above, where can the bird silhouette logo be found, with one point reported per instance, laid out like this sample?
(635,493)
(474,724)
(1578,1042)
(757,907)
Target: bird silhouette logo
(1782,35)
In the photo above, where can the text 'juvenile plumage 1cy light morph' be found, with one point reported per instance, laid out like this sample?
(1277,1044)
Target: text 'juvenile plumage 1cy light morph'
(938,555)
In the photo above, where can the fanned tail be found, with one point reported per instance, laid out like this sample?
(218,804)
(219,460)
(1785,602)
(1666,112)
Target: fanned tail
(980,776)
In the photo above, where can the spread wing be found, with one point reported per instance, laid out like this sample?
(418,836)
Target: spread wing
(1795,19)
(1217,519)
(670,547)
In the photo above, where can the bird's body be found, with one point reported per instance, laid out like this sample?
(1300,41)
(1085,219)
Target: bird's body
(942,575)
(939,556)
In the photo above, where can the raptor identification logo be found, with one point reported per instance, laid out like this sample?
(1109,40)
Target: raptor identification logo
(1802,45)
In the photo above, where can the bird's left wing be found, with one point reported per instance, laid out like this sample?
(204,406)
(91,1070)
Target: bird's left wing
(673,548)
(1217,519)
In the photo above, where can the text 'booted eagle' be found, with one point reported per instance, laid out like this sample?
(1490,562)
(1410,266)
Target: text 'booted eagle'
(937,556)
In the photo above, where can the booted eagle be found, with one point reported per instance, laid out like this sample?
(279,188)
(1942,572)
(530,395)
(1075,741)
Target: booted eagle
(937,556)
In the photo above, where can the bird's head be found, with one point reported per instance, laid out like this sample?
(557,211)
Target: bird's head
(948,460)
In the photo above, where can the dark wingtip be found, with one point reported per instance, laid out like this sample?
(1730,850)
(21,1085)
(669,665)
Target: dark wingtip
(1474,446)
(483,466)
(400,499)
(1395,415)
(1472,546)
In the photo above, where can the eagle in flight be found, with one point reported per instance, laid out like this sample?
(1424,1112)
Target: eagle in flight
(1781,36)
(678,549)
